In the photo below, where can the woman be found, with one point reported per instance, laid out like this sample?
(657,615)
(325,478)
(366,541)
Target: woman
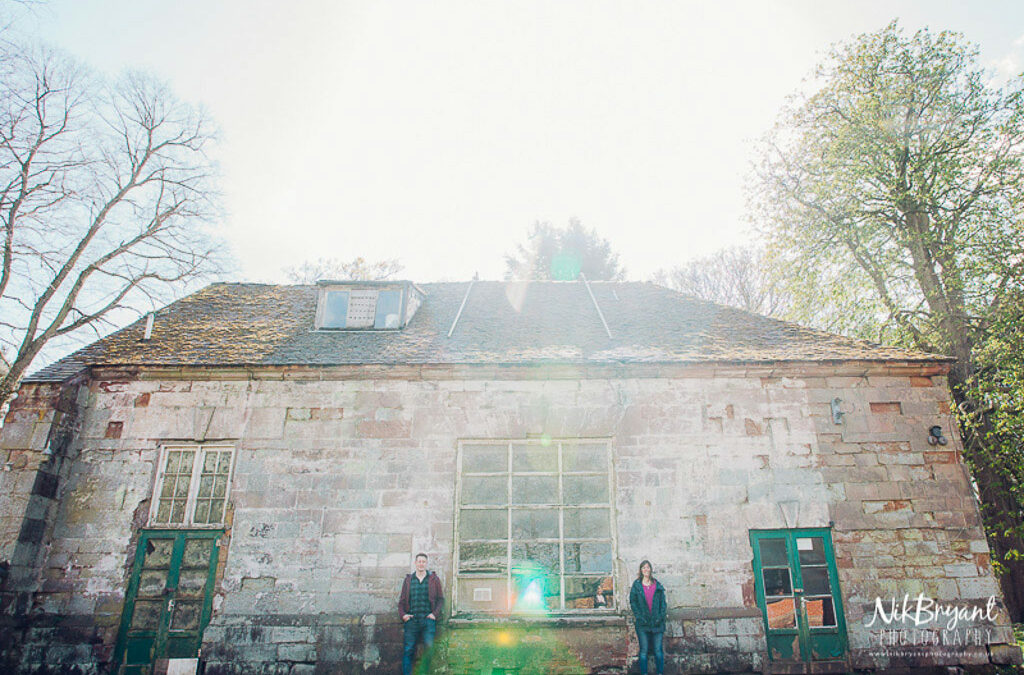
(647,600)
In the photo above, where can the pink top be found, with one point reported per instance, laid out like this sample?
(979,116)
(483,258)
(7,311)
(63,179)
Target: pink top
(649,596)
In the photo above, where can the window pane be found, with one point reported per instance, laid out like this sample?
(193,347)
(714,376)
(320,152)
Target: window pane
(389,309)
(534,524)
(202,512)
(585,489)
(484,490)
(335,309)
(483,557)
(811,550)
(185,459)
(210,462)
(587,524)
(163,512)
(147,614)
(781,613)
(820,612)
(589,593)
(158,554)
(535,457)
(588,557)
(205,487)
(584,457)
(177,511)
(220,486)
(539,556)
(482,593)
(534,591)
(483,524)
(192,582)
(181,486)
(484,458)
(815,580)
(216,511)
(777,581)
(152,583)
(535,489)
(773,552)
(197,553)
(224,464)
(186,615)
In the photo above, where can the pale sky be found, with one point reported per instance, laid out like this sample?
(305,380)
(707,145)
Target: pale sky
(438,132)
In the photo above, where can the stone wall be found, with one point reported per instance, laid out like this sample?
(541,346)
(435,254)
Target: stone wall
(339,479)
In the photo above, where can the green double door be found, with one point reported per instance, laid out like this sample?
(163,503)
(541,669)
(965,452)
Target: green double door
(169,598)
(798,593)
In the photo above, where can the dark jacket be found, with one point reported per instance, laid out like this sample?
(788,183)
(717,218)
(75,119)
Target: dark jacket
(434,592)
(653,619)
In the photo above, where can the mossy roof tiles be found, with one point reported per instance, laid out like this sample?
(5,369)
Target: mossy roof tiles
(241,324)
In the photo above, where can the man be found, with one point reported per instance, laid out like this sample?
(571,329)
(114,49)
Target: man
(420,604)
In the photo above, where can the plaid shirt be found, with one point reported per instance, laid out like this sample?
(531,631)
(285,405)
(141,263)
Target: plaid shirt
(419,597)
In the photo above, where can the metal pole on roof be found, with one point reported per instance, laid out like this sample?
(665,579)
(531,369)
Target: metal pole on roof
(596,306)
(464,299)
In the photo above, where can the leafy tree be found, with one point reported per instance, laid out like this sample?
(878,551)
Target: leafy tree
(892,191)
(359,269)
(900,175)
(105,189)
(562,254)
(738,277)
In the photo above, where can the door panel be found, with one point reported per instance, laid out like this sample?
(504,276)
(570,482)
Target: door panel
(798,593)
(169,598)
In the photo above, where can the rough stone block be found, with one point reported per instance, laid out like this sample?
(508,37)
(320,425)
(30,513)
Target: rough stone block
(1005,655)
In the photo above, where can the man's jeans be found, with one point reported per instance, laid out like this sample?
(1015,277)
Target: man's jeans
(417,629)
(650,642)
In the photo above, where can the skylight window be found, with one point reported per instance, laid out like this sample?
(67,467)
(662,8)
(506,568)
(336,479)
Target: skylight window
(366,305)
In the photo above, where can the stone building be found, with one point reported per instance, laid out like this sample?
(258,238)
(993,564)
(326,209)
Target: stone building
(245,476)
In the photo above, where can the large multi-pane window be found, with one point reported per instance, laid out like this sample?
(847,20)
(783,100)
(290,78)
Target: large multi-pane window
(192,486)
(534,529)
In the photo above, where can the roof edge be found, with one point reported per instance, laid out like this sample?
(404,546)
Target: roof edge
(551,370)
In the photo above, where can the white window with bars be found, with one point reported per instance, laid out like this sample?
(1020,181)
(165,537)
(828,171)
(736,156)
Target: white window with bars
(362,309)
(192,486)
(534,527)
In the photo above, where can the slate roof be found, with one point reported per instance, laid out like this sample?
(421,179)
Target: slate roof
(235,324)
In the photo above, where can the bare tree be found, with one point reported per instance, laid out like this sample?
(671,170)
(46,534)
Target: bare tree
(738,277)
(105,189)
(358,268)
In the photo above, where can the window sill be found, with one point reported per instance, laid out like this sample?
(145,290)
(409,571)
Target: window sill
(602,619)
(175,527)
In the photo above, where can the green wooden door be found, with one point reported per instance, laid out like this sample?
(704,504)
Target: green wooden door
(798,593)
(169,598)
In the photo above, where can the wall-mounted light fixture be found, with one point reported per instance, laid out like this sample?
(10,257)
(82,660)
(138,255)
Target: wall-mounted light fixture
(935,436)
(837,414)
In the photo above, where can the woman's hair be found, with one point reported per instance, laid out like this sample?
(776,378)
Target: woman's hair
(640,570)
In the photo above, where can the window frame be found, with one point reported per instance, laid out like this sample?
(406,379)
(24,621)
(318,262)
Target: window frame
(378,289)
(193,486)
(614,608)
